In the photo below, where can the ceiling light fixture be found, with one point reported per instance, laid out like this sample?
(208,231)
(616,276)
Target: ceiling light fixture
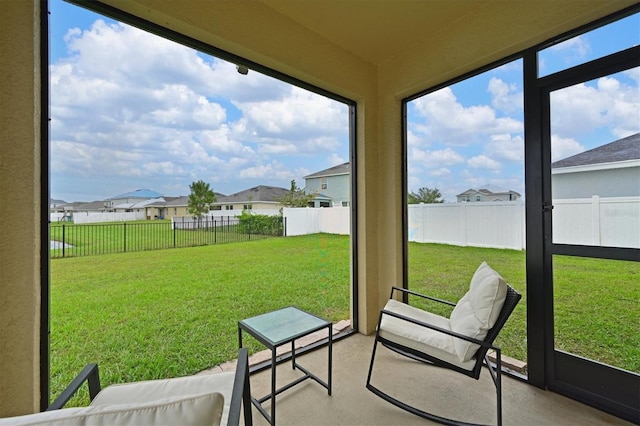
(242,69)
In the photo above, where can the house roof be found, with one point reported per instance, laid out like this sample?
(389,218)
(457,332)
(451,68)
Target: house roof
(256,194)
(340,169)
(487,191)
(138,193)
(83,206)
(179,201)
(621,150)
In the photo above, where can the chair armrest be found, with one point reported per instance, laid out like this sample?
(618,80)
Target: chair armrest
(406,291)
(90,375)
(241,395)
(440,329)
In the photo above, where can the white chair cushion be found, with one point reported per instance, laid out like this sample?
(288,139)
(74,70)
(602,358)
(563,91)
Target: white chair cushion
(477,311)
(194,409)
(426,340)
(144,391)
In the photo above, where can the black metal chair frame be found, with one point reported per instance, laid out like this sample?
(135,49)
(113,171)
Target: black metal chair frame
(240,396)
(481,357)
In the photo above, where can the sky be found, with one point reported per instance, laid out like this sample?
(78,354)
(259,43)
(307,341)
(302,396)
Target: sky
(130,110)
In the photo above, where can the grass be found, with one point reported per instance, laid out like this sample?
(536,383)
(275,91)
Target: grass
(596,301)
(168,313)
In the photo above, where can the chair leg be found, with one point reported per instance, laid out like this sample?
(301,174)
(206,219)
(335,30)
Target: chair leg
(496,377)
(373,355)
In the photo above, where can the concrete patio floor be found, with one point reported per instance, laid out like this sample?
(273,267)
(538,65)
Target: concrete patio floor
(445,393)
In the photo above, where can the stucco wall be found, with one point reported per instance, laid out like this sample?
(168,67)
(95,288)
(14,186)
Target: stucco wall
(621,182)
(20,194)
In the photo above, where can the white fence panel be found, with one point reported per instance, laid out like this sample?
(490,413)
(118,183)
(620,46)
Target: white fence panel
(610,222)
(334,220)
(96,217)
(225,213)
(490,224)
(56,217)
(301,221)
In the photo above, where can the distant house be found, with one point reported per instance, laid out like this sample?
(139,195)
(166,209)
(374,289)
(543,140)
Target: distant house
(56,205)
(487,193)
(611,170)
(331,187)
(176,207)
(121,201)
(260,197)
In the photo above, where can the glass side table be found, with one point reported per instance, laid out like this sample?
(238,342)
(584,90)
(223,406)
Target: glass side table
(278,328)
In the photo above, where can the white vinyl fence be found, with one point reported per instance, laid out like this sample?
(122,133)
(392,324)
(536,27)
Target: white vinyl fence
(595,221)
(498,224)
(96,217)
(612,222)
(312,220)
(225,213)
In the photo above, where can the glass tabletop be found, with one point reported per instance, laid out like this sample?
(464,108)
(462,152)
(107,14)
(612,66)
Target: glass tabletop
(284,324)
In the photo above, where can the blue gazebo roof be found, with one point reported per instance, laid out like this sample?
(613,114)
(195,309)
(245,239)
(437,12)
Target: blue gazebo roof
(138,193)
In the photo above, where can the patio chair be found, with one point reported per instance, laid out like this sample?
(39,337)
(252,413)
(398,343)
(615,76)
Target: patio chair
(459,343)
(212,399)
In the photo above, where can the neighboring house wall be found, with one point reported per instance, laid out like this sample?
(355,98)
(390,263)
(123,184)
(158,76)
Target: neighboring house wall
(609,170)
(247,205)
(176,211)
(473,196)
(605,180)
(332,186)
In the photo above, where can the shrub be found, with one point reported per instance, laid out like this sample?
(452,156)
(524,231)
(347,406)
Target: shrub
(259,224)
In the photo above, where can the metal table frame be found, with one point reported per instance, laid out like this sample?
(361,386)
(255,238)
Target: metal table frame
(274,344)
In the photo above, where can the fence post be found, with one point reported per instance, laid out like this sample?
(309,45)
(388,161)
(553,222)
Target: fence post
(595,220)
(174,233)
(124,226)
(64,243)
(215,231)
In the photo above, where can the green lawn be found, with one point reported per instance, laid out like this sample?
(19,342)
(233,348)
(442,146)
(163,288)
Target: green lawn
(167,313)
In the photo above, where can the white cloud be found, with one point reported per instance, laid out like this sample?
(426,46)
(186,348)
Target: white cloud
(483,162)
(576,47)
(564,147)
(578,110)
(448,121)
(441,172)
(127,104)
(266,171)
(437,158)
(505,96)
(506,147)
(335,159)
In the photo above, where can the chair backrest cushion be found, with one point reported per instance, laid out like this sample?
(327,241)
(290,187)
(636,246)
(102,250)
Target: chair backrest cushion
(196,409)
(476,313)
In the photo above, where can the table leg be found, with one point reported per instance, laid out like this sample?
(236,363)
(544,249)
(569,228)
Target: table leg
(330,328)
(273,387)
(293,355)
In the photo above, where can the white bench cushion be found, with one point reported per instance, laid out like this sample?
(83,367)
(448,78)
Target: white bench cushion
(426,340)
(144,391)
(194,409)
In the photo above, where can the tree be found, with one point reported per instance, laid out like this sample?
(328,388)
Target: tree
(425,195)
(200,198)
(296,197)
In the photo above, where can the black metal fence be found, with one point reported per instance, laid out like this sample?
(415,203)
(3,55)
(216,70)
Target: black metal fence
(71,240)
